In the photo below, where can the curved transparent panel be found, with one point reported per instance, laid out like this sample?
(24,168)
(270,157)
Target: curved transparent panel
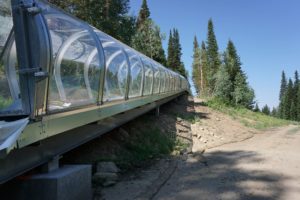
(148,80)
(177,82)
(156,83)
(136,73)
(10,101)
(162,80)
(76,67)
(5,21)
(167,80)
(116,68)
(172,81)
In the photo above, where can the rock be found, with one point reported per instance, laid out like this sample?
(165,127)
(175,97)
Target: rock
(179,119)
(218,119)
(107,167)
(105,178)
(109,183)
(199,136)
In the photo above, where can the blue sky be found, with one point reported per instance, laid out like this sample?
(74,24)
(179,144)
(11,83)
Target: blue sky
(266,34)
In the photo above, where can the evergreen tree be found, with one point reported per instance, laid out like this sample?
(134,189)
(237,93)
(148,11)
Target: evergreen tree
(266,110)
(109,16)
(256,108)
(196,74)
(274,112)
(298,104)
(232,61)
(243,94)
(144,15)
(293,111)
(283,87)
(287,101)
(204,68)
(159,54)
(170,58)
(295,96)
(148,38)
(174,53)
(177,53)
(223,85)
(148,41)
(212,55)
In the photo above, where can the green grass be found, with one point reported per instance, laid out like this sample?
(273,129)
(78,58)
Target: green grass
(149,144)
(249,118)
(189,118)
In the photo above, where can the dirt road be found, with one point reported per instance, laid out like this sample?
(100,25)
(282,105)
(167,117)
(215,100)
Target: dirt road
(266,166)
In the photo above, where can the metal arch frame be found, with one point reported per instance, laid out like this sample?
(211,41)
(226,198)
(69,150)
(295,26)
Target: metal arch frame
(58,60)
(87,64)
(162,86)
(10,67)
(152,85)
(139,63)
(155,70)
(128,75)
(109,60)
(98,45)
(33,54)
(143,76)
(145,65)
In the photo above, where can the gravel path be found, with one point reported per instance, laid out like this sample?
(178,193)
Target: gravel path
(266,166)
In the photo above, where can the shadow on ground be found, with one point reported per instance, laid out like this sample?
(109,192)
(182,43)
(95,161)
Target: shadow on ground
(219,175)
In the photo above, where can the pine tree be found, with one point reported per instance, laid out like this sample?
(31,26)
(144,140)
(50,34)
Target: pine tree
(170,58)
(144,15)
(159,53)
(243,94)
(177,53)
(293,111)
(174,53)
(223,85)
(212,55)
(109,16)
(232,61)
(298,104)
(256,108)
(204,68)
(283,88)
(197,71)
(274,112)
(148,38)
(266,110)
(287,101)
(295,96)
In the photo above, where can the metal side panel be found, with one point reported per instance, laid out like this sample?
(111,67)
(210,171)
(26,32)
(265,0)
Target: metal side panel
(27,158)
(57,123)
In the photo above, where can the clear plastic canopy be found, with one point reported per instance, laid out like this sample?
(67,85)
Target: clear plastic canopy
(88,66)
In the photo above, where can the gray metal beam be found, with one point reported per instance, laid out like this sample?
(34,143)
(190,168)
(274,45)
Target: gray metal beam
(25,159)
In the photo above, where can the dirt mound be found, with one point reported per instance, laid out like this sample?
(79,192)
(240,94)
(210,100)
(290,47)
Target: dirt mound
(215,128)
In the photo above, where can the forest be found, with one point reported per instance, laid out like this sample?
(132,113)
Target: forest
(219,76)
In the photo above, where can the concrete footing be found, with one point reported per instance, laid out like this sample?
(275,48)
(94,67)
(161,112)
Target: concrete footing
(68,182)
